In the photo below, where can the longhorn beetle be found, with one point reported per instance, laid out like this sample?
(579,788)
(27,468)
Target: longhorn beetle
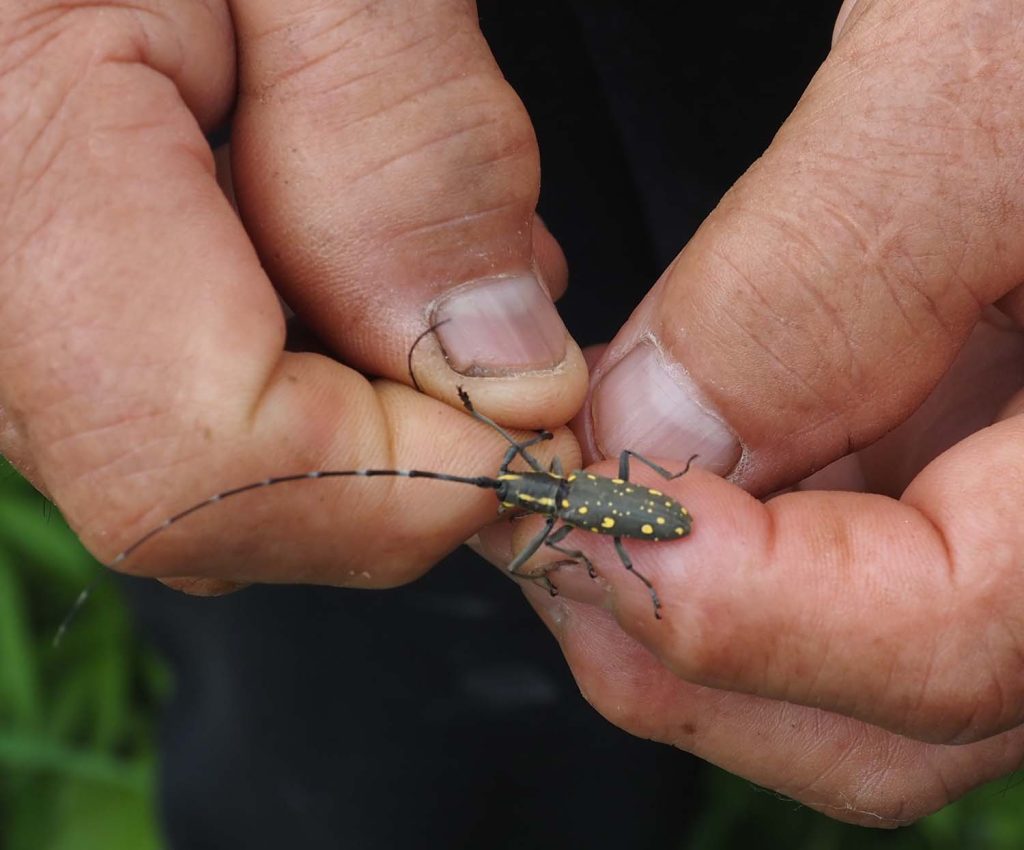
(615,507)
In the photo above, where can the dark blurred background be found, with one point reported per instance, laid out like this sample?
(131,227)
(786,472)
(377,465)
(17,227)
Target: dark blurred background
(439,715)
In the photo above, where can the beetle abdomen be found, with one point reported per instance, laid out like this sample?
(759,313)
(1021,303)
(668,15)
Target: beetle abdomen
(621,508)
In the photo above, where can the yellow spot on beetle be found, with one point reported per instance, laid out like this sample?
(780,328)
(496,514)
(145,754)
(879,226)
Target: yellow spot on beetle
(565,503)
(582,509)
(508,477)
(571,477)
(656,492)
(661,520)
(668,504)
(546,501)
(591,477)
(680,530)
(607,522)
(526,497)
(618,481)
(647,528)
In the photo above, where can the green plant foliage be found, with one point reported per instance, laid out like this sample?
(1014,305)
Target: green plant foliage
(76,721)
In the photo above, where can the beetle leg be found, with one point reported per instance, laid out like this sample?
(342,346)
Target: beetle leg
(577,556)
(628,564)
(664,473)
(517,447)
(520,449)
(530,548)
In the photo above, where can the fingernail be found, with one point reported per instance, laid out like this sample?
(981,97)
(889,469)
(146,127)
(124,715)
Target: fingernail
(500,326)
(646,405)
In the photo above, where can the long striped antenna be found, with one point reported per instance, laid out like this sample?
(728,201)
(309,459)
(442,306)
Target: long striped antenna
(76,606)
(482,481)
(477,481)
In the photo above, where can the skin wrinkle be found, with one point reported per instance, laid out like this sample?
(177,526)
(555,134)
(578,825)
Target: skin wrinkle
(125,522)
(19,246)
(17,61)
(801,381)
(873,785)
(514,151)
(43,129)
(858,800)
(292,24)
(510,152)
(97,430)
(28,180)
(409,98)
(891,668)
(998,708)
(311,65)
(384,64)
(452,223)
(948,794)
(887,254)
(809,685)
(874,780)
(984,714)
(829,767)
(902,288)
(57,119)
(847,224)
(763,345)
(792,232)
(921,702)
(341,85)
(954,268)
(936,527)
(139,34)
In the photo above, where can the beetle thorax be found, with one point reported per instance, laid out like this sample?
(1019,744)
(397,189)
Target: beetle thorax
(536,492)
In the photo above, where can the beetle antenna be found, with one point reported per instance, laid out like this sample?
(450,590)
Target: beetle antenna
(412,348)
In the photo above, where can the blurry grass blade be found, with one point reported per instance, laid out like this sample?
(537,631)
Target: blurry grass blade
(19,673)
(49,545)
(112,697)
(101,817)
(34,753)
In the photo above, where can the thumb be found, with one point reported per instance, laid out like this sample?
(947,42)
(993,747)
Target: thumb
(388,176)
(823,299)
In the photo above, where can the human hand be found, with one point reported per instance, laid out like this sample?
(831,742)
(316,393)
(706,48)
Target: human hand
(857,651)
(386,177)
